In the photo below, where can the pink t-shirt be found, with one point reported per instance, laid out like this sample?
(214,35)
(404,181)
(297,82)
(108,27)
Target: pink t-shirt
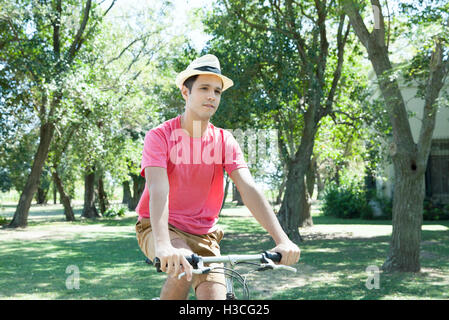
(195,173)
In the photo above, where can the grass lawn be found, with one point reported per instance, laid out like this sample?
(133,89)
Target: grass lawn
(334,259)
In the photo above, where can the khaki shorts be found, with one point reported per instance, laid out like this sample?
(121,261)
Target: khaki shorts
(203,245)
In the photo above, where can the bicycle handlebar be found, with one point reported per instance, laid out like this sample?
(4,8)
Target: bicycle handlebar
(194,259)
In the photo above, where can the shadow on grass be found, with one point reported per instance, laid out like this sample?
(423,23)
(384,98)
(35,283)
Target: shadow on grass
(321,219)
(110,267)
(336,268)
(344,262)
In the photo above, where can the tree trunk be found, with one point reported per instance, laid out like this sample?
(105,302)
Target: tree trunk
(319,184)
(65,200)
(126,192)
(228,180)
(20,218)
(337,174)
(41,195)
(236,196)
(89,210)
(55,194)
(409,192)
(281,190)
(292,204)
(311,177)
(102,196)
(305,217)
(295,209)
(138,187)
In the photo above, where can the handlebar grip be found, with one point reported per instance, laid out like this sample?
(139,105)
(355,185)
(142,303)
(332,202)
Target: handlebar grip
(192,259)
(157,264)
(273,256)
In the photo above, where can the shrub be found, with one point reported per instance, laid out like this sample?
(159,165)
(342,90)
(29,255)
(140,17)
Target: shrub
(435,211)
(387,208)
(115,211)
(3,221)
(378,203)
(345,202)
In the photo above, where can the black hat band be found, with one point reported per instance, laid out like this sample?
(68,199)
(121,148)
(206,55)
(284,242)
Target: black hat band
(209,69)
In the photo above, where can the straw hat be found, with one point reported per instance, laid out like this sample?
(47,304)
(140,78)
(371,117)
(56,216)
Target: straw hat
(207,64)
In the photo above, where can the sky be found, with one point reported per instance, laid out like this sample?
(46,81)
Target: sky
(180,13)
(198,37)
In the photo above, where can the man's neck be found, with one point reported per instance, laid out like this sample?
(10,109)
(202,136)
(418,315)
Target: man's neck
(194,127)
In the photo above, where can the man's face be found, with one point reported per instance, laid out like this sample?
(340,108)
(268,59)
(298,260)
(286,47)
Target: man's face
(202,102)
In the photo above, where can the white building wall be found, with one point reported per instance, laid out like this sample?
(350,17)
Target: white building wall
(385,181)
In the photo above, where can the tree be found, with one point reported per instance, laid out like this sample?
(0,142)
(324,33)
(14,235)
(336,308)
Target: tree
(39,50)
(287,63)
(104,99)
(409,158)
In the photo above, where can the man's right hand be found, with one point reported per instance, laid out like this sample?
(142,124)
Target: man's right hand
(173,261)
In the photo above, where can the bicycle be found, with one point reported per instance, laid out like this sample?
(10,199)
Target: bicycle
(266,262)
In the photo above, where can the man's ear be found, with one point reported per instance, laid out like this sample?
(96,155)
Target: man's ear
(185,92)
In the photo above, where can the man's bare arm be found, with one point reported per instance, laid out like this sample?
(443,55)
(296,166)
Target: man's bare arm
(258,205)
(158,187)
(157,182)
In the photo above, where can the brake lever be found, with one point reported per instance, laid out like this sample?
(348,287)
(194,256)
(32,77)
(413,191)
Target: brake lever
(284,267)
(265,267)
(271,265)
(195,271)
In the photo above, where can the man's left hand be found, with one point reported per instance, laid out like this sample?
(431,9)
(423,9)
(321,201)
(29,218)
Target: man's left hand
(290,252)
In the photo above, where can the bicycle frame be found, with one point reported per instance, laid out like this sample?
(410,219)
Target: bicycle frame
(229,261)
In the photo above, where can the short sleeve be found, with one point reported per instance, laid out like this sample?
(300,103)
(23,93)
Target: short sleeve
(155,151)
(233,158)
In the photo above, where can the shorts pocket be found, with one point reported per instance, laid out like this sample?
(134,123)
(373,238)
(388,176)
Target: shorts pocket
(218,234)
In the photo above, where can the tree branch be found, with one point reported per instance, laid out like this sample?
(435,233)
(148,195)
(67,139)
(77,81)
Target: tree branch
(349,6)
(78,38)
(438,73)
(292,34)
(303,12)
(324,44)
(56,28)
(341,43)
(299,40)
(379,27)
(110,7)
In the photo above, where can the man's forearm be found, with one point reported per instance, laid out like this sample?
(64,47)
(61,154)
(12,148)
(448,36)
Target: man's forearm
(258,205)
(159,216)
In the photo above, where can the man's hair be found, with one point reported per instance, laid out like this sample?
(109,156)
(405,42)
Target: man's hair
(190,81)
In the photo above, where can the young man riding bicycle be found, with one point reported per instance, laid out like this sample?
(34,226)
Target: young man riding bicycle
(183,161)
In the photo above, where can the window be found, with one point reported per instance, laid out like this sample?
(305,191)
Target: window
(437,175)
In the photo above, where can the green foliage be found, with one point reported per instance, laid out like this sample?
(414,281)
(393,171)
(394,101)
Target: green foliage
(345,201)
(16,159)
(435,211)
(384,204)
(105,106)
(3,221)
(349,201)
(115,211)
